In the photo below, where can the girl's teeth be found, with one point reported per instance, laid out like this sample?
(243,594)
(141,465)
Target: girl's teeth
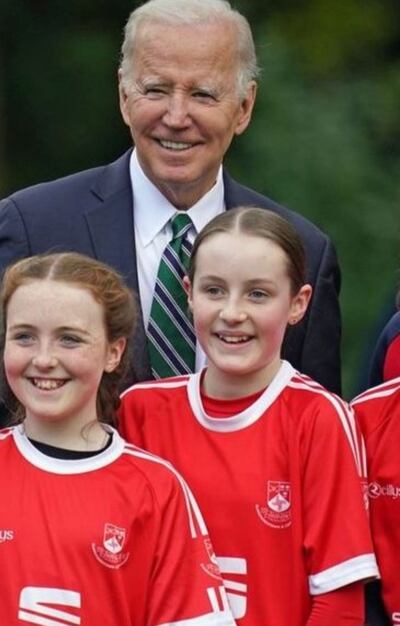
(47,384)
(234,339)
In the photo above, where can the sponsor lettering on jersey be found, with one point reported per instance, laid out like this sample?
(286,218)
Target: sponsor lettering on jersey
(37,605)
(6,535)
(110,553)
(396,618)
(277,511)
(218,599)
(375,490)
(234,576)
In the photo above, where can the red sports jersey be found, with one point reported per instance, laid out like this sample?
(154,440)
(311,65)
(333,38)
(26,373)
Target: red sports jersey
(111,540)
(277,484)
(378,413)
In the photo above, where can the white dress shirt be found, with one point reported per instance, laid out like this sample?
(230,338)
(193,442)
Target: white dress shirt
(153,232)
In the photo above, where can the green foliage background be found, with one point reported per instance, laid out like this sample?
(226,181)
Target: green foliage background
(324,139)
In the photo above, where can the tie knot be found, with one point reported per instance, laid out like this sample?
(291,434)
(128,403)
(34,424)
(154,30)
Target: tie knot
(180,223)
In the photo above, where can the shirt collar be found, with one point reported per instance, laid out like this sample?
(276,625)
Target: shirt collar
(153,211)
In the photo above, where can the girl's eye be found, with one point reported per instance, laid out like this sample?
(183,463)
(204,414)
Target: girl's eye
(257,294)
(213,290)
(23,338)
(70,340)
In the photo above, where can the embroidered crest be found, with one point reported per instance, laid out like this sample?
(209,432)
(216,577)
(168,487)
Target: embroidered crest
(277,512)
(114,538)
(110,553)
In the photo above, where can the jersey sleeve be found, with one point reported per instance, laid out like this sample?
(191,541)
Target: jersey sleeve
(378,412)
(337,542)
(342,607)
(186,585)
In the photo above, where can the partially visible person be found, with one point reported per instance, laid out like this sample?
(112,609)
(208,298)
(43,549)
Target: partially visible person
(273,458)
(93,530)
(385,363)
(187,87)
(378,413)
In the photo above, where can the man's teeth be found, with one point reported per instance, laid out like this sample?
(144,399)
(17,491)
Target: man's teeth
(47,384)
(175,145)
(234,339)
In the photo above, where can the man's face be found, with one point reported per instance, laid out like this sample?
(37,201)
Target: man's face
(183,106)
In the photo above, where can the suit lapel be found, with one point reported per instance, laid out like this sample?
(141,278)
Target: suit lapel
(110,223)
(234,194)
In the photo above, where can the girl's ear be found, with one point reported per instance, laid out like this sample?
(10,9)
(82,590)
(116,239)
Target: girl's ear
(115,351)
(188,288)
(299,304)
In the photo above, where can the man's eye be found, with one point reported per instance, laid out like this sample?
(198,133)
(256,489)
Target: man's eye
(155,91)
(203,95)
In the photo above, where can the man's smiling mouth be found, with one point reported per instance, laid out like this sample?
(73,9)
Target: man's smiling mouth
(175,145)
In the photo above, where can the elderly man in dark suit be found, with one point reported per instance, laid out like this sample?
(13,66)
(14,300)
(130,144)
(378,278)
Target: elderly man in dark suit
(187,85)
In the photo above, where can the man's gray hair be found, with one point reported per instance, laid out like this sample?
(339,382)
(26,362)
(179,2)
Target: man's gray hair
(191,12)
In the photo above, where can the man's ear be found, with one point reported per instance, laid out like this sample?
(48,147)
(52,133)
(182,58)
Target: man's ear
(246,108)
(123,99)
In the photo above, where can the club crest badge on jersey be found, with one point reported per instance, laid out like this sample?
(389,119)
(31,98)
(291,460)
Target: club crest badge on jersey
(111,552)
(277,511)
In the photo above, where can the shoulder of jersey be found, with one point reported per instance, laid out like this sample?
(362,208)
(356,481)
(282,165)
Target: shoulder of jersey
(330,408)
(150,465)
(378,394)
(165,479)
(162,384)
(324,404)
(315,392)
(144,458)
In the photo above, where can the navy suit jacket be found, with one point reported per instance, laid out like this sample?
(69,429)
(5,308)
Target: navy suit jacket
(387,346)
(92,212)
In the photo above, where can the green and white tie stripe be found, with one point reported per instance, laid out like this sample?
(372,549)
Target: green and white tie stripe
(171,338)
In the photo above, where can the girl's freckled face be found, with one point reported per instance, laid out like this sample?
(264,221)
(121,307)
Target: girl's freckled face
(56,350)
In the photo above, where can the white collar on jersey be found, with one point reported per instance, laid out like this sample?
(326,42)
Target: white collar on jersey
(246,417)
(70,466)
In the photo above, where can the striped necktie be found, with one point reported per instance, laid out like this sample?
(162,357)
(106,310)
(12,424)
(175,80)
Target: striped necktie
(171,338)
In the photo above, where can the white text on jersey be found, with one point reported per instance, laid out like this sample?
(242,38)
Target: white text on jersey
(32,609)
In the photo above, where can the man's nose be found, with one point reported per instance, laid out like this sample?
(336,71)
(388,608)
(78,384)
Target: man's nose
(177,113)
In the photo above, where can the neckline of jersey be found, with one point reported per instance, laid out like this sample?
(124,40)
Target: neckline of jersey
(248,416)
